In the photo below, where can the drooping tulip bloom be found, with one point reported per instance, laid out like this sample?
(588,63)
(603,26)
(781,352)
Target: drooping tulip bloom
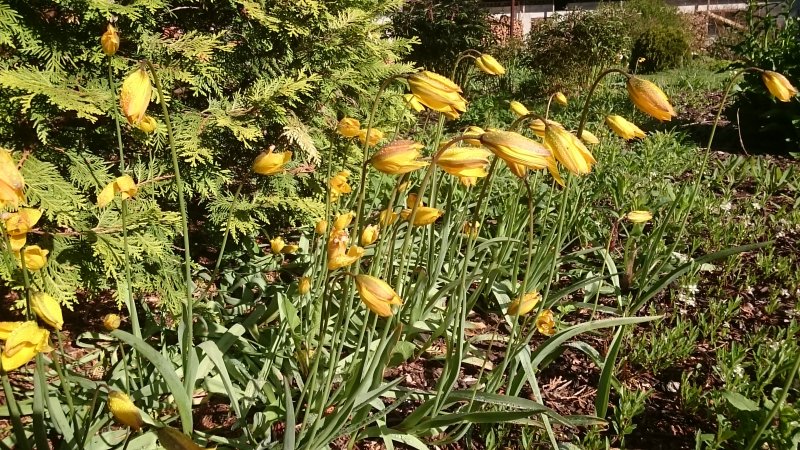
(387,218)
(338,184)
(515,148)
(343,220)
(48,309)
(172,439)
(489,65)
(569,150)
(524,304)
(22,344)
(124,185)
(35,257)
(545,323)
(624,129)
(560,98)
(398,157)
(474,134)
(11,181)
(369,235)
(134,98)
(649,98)
(375,136)
(425,215)
(276,245)
(321,227)
(589,138)
(270,162)
(19,223)
(464,161)
(412,101)
(518,108)
(778,85)
(377,295)
(124,411)
(109,41)
(348,127)
(438,93)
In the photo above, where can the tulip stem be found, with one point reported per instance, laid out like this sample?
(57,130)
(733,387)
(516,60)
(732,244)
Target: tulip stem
(547,110)
(124,218)
(469,53)
(776,407)
(14,411)
(27,281)
(188,334)
(588,100)
(63,376)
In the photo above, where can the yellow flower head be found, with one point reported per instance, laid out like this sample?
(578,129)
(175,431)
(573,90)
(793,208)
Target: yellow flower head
(172,439)
(134,98)
(398,157)
(515,148)
(489,65)
(109,41)
(518,108)
(560,98)
(11,182)
(321,227)
(589,138)
(474,134)
(304,285)
(425,215)
(545,323)
(338,184)
(377,295)
(22,344)
(369,235)
(270,163)
(348,127)
(375,136)
(35,257)
(537,126)
(568,150)
(6,328)
(639,216)
(148,124)
(438,93)
(290,249)
(624,129)
(412,101)
(111,322)
(387,218)
(124,411)
(649,98)
(276,245)
(48,309)
(524,304)
(468,181)
(778,85)
(124,185)
(18,224)
(343,220)
(339,260)
(464,161)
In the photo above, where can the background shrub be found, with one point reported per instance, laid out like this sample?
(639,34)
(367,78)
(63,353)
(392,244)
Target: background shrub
(661,47)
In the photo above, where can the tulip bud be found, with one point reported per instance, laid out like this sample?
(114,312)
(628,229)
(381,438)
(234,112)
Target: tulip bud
(148,124)
(369,235)
(377,295)
(589,138)
(269,163)
(489,65)
(519,109)
(111,322)
(639,216)
(276,245)
(437,93)
(134,97)
(649,98)
(48,309)
(124,411)
(524,304)
(425,215)
(321,227)
(109,41)
(398,157)
(624,129)
(304,285)
(560,98)
(35,257)
(348,127)
(778,85)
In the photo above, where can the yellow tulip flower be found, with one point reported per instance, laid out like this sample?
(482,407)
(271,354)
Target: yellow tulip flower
(375,136)
(624,129)
(11,182)
(589,138)
(111,322)
(489,65)
(369,235)
(649,98)
(7,327)
(276,245)
(468,181)
(348,127)
(474,134)
(412,101)
(518,108)
(639,216)
(398,157)
(109,41)
(270,163)
(545,323)
(124,185)
(48,309)
(35,257)
(18,224)
(135,95)
(377,295)
(22,344)
(464,161)
(339,260)
(438,93)
(778,85)
(424,216)
(321,227)
(148,124)
(304,285)
(569,150)
(515,148)
(124,411)
(560,98)
(343,220)
(338,184)
(524,304)
(387,218)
